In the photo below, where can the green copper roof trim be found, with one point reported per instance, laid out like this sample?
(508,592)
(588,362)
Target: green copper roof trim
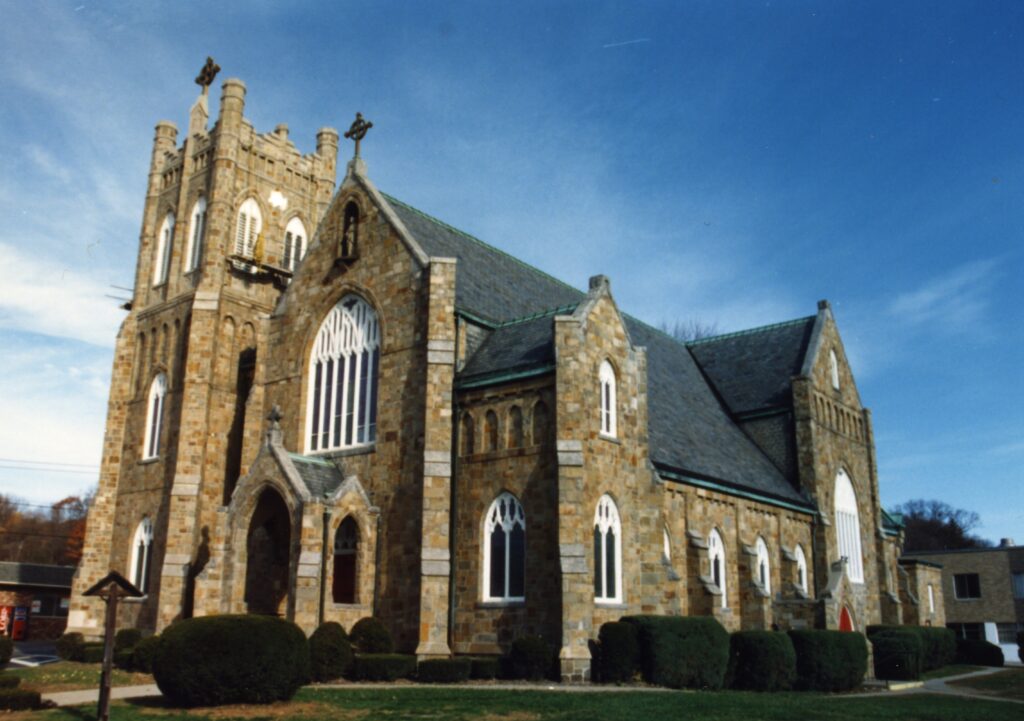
(480,320)
(311,459)
(729,490)
(751,331)
(504,377)
(466,235)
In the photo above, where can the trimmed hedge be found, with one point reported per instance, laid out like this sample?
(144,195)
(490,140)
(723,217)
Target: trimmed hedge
(383,666)
(92,653)
(532,658)
(19,699)
(214,660)
(370,635)
(6,649)
(829,660)
(761,661)
(938,644)
(1020,645)
(618,652)
(444,670)
(330,653)
(9,681)
(898,654)
(127,639)
(71,646)
(681,651)
(484,668)
(142,655)
(978,653)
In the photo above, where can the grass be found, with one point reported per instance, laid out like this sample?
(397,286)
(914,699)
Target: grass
(71,676)
(452,704)
(951,670)
(1004,684)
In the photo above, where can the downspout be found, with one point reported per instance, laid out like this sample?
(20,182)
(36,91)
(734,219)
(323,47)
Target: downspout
(323,565)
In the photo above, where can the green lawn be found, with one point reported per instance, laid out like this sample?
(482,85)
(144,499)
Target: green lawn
(71,676)
(1005,684)
(946,671)
(443,704)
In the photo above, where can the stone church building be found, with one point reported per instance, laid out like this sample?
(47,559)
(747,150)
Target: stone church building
(326,404)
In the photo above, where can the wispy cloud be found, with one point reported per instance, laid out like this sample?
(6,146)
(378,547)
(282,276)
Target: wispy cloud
(955,300)
(626,42)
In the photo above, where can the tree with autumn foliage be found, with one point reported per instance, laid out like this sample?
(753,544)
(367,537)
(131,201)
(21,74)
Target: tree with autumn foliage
(39,534)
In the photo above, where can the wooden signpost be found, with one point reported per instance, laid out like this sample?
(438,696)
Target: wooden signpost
(111,588)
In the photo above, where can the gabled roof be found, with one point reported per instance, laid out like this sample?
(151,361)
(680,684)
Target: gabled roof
(691,434)
(35,574)
(751,370)
(320,476)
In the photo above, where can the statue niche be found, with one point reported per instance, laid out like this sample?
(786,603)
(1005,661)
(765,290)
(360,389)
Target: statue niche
(348,241)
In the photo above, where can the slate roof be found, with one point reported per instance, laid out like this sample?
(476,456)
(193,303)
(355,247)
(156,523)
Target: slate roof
(35,574)
(321,476)
(751,370)
(489,283)
(691,433)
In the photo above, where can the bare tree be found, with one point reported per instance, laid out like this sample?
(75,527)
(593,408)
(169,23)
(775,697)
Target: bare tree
(932,525)
(688,330)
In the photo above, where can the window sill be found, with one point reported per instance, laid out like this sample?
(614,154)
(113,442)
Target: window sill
(149,461)
(967,600)
(345,452)
(610,439)
(348,606)
(502,604)
(617,605)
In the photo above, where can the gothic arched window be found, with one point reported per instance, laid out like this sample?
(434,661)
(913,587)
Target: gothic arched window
(348,244)
(294,244)
(801,568)
(343,370)
(162,259)
(142,554)
(491,430)
(250,223)
(346,547)
(467,433)
(716,557)
(515,427)
(764,568)
(196,235)
(606,376)
(848,527)
(540,423)
(833,369)
(155,416)
(505,550)
(607,552)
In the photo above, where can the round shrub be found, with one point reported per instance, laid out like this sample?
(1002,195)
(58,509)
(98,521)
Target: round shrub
(940,647)
(216,660)
(898,654)
(369,635)
(1020,645)
(71,646)
(530,657)
(6,649)
(484,668)
(978,653)
(330,653)
(92,653)
(142,654)
(761,661)
(618,648)
(127,639)
(383,666)
(444,670)
(19,699)
(829,660)
(681,651)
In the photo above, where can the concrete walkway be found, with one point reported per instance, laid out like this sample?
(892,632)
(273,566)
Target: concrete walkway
(92,695)
(942,686)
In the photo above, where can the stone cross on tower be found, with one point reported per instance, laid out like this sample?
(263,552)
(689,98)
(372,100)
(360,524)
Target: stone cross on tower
(358,130)
(207,74)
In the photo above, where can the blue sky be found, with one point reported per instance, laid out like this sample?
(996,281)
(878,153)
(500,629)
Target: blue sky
(730,163)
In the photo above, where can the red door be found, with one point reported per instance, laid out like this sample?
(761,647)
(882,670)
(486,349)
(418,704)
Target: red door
(845,620)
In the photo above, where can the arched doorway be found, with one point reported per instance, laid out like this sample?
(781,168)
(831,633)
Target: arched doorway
(268,552)
(845,620)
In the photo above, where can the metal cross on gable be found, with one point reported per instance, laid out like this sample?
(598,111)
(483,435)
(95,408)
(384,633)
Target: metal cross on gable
(207,74)
(358,130)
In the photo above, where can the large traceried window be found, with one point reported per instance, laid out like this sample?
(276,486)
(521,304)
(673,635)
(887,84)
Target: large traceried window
(505,550)
(848,527)
(162,260)
(716,558)
(196,236)
(606,376)
(155,416)
(294,244)
(801,568)
(343,381)
(764,567)
(607,552)
(142,554)
(250,223)
(346,548)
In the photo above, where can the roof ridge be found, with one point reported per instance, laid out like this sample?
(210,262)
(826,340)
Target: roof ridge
(568,307)
(476,240)
(749,331)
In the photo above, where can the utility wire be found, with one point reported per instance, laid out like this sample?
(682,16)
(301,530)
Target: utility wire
(47,463)
(49,470)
